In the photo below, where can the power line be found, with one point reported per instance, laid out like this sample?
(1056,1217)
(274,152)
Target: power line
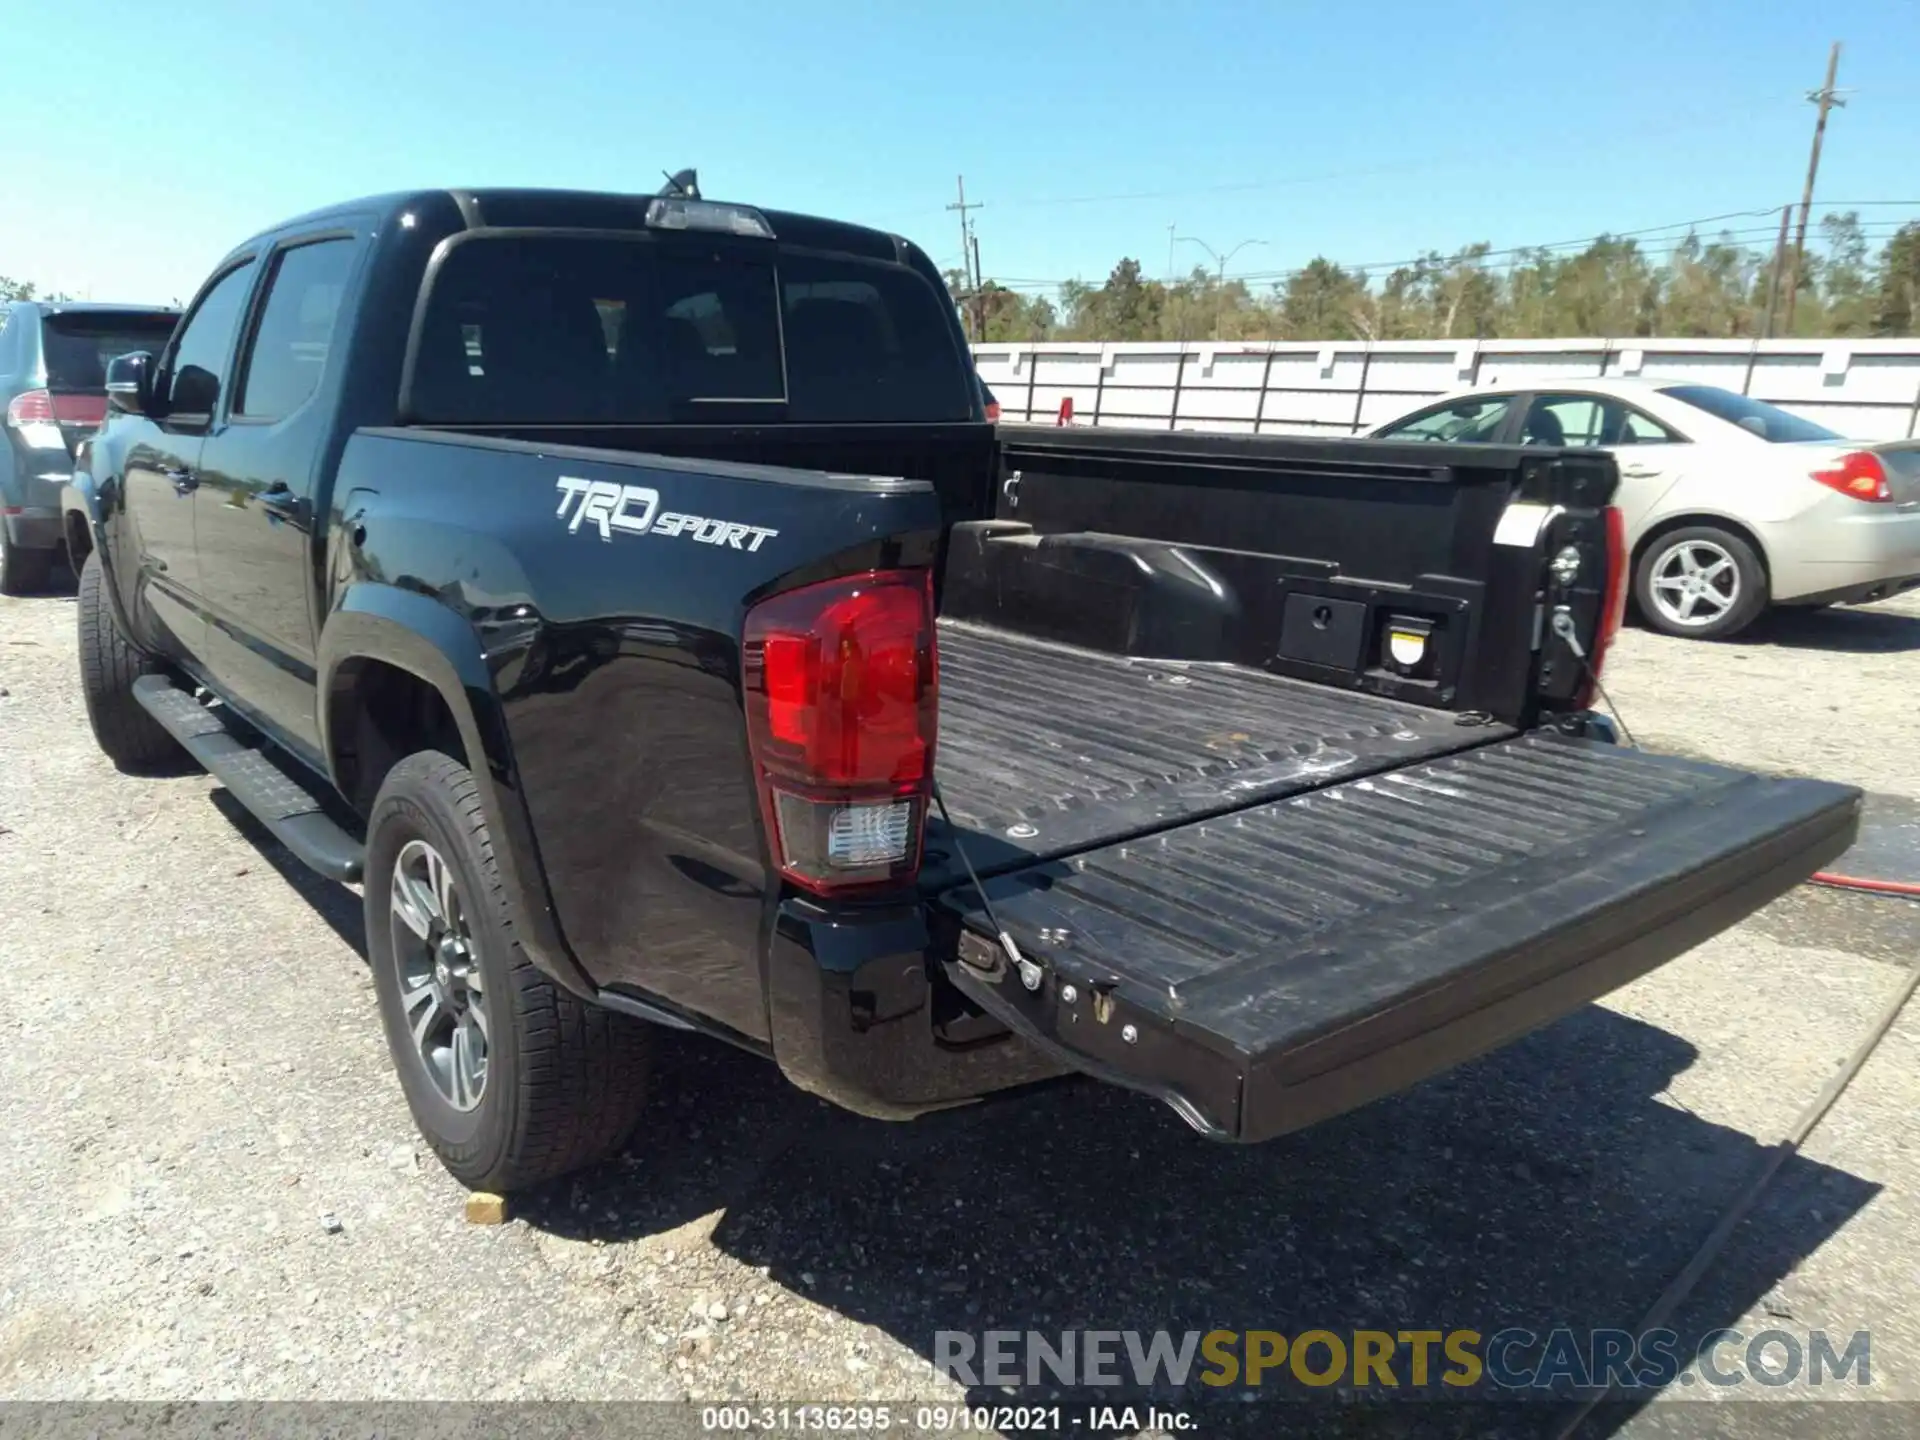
(1677,230)
(1663,127)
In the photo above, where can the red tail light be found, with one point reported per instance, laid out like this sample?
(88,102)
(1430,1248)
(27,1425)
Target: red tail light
(842,696)
(1613,602)
(43,407)
(1613,610)
(1066,412)
(1858,476)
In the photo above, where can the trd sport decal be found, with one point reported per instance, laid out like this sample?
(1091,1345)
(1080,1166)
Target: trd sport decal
(635,510)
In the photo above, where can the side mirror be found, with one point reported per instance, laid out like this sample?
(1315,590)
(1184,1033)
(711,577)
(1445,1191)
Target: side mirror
(130,383)
(1753,423)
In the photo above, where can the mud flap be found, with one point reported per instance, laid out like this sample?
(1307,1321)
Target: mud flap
(1267,969)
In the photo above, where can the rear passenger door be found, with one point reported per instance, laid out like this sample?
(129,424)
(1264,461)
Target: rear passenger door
(258,474)
(1651,456)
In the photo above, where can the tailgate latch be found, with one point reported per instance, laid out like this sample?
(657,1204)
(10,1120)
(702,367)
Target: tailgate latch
(989,960)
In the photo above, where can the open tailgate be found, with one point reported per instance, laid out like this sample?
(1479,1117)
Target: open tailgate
(1277,965)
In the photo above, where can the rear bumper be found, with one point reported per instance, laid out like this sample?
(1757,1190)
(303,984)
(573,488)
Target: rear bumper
(34,529)
(1858,592)
(858,1016)
(31,476)
(1848,554)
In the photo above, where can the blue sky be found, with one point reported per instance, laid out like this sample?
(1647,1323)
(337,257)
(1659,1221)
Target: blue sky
(1365,131)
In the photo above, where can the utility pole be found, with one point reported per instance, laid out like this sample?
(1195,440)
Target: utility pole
(1826,97)
(979,293)
(1773,281)
(969,252)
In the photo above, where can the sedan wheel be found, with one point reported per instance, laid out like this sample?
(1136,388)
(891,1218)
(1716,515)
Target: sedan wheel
(1701,582)
(1695,583)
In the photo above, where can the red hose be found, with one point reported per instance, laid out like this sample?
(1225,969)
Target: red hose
(1872,887)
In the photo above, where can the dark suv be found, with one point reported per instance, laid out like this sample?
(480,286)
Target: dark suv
(53,383)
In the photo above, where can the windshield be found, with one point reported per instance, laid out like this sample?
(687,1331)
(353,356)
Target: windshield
(1769,422)
(568,329)
(79,343)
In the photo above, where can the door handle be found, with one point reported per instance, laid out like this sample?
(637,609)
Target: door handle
(280,503)
(1639,472)
(185,482)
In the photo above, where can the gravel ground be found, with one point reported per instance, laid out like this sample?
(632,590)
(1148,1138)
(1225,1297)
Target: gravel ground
(215,1190)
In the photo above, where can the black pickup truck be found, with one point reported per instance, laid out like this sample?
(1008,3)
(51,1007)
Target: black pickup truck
(630,593)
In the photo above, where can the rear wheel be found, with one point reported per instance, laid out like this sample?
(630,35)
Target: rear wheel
(109,664)
(1702,582)
(511,1079)
(22,572)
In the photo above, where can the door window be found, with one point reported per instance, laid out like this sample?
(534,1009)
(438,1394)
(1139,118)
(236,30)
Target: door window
(1476,419)
(1638,428)
(1563,420)
(205,347)
(1580,421)
(296,328)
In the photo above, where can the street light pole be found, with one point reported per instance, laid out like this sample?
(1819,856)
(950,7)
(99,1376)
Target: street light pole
(1220,285)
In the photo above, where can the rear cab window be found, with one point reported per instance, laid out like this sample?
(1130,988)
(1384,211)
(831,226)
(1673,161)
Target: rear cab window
(552,328)
(77,344)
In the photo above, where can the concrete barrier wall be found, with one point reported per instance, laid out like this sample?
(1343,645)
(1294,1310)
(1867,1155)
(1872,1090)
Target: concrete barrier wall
(1866,389)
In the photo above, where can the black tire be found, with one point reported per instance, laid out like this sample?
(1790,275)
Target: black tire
(22,572)
(1730,613)
(565,1080)
(109,664)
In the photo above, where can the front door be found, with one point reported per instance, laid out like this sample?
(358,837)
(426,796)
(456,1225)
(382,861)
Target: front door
(255,518)
(161,473)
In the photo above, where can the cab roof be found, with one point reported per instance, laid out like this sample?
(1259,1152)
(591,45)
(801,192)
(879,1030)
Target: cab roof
(589,210)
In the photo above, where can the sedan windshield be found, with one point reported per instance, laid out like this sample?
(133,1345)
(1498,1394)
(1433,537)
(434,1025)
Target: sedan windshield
(1769,422)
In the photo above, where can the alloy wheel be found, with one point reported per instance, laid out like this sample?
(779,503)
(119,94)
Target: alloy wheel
(1695,583)
(442,991)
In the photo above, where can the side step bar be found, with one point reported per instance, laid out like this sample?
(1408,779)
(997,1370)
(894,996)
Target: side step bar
(279,800)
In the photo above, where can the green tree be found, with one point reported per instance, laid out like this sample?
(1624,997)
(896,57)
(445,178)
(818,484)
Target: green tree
(1608,290)
(1843,278)
(1611,288)
(1897,293)
(1325,302)
(1013,316)
(1707,290)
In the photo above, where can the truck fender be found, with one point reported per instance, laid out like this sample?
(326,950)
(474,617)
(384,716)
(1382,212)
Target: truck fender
(81,504)
(420,635)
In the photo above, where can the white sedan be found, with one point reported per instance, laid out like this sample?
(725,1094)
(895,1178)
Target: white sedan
(1731,504)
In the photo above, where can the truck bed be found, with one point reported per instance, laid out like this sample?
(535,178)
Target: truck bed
(1046,748)
(1265,901)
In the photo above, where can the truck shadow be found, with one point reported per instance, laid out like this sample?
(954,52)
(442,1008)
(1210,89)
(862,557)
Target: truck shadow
(1546,1186)
(1550,1185)
(335,904)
